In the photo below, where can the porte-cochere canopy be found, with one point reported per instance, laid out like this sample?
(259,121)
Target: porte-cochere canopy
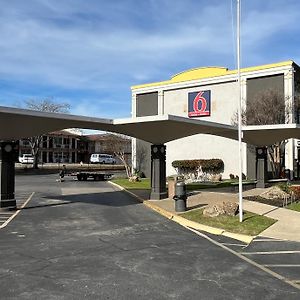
(19,123)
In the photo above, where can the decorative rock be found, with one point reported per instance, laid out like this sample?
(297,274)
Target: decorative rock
(134,178)
(226,208)
(216,177)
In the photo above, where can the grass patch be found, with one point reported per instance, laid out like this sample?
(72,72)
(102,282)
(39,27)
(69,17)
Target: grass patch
(212,185)
(252,225)
(199,186)
(294,206)
(125,183)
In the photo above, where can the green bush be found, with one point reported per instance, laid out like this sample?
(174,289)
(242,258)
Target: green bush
(212,166)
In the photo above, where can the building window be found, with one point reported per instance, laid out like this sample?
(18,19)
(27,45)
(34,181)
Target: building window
(147,104)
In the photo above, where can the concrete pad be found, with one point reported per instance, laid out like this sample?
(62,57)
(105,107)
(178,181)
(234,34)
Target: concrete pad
(258,208)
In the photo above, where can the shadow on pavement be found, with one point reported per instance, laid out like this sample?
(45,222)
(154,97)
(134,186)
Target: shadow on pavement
(114,199)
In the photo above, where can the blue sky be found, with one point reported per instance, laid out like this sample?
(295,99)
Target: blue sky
(89,53)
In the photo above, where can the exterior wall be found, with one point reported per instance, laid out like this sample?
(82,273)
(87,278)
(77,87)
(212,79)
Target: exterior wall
(223,106)
(142,157)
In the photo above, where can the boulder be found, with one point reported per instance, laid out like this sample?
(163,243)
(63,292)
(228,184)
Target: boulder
(134,178)
(225,208)
(216,177)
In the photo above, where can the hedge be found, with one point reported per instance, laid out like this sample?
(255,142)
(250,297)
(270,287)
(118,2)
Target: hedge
(213,166)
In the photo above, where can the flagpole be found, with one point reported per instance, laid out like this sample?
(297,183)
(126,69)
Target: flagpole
(240,133)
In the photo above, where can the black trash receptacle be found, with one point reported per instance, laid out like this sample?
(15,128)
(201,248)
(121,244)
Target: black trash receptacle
(180,196)
(287,173)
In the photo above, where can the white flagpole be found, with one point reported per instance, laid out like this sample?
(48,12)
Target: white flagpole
(240,134)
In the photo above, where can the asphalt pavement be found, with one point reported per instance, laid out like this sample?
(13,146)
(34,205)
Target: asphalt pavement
(88,240)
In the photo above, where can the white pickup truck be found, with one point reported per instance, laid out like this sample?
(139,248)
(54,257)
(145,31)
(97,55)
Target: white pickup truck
(26,159)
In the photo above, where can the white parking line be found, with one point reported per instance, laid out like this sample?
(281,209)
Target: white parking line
(274,274)
(230,244)
(16,213)
(268,240)
(282,266)
(271,252)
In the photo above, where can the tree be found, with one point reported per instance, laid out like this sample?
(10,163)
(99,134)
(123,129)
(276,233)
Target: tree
(267,108)
(46,105)
(120,145)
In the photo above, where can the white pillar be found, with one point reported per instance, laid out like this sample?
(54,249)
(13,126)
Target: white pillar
(289,99)
(160,102)
(133,105)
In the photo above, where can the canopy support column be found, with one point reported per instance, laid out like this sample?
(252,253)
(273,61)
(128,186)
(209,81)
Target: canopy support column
(158,172)
(261,167)
(7,175)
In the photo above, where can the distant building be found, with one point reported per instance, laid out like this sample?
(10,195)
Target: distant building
(69,146)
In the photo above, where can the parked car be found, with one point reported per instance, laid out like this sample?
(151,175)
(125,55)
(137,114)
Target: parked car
(26,159)
(102,159)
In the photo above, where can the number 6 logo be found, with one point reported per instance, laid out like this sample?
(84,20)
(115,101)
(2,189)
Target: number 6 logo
(199,104)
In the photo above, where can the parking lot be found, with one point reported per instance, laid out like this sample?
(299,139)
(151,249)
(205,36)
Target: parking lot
(76,240)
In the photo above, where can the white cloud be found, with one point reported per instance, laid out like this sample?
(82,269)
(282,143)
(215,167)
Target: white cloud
(104,46)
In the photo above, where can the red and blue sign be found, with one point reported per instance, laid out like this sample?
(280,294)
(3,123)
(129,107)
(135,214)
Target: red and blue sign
(199,104)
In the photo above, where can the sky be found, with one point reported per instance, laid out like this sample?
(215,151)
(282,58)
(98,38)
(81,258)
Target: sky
(88,53)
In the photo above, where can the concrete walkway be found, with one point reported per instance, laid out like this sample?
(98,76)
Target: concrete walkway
(286,228)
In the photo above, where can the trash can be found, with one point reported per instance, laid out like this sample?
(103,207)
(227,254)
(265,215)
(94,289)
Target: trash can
(172,180)
(287,173)
(180,196)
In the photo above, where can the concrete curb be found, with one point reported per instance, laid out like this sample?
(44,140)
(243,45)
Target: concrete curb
(187,223)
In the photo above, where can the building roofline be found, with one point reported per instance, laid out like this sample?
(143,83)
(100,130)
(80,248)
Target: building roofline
(210,72)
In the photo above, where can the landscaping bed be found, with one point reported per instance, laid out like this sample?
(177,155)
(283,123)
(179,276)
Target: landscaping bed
(252,224)
(274,202)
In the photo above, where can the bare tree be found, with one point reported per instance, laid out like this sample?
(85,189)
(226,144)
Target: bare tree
(46,105)
(267,108)
(120,145)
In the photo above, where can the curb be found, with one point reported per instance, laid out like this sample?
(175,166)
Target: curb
(187,223)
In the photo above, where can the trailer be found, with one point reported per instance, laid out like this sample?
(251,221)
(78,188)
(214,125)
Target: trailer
(97,176)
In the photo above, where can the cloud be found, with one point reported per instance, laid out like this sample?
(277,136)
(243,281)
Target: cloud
(92,51)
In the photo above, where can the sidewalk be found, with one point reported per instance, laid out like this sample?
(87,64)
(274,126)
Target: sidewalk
(286,228)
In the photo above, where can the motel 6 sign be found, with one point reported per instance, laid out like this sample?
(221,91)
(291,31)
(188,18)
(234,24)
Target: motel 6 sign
(199,104)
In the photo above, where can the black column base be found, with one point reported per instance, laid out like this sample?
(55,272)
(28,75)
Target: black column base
(9,204)
(158,196)
(261,184)
(158,172)
(261,167)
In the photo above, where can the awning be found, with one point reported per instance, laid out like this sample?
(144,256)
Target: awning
(20,123)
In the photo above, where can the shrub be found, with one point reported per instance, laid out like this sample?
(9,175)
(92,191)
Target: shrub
(195,167)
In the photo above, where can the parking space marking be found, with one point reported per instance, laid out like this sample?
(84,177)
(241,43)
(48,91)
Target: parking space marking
(16,212)
(232,244)
(268,240)
(241,256)
(270,252)
(282,266)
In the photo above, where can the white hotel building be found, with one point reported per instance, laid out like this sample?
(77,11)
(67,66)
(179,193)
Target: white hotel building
(221,102)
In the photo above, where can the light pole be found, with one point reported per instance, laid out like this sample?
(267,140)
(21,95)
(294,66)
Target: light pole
(240,133)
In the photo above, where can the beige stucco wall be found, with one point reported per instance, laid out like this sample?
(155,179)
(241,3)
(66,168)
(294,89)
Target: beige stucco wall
(224,99)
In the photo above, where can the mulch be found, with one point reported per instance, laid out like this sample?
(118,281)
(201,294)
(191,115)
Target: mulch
(275,202)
